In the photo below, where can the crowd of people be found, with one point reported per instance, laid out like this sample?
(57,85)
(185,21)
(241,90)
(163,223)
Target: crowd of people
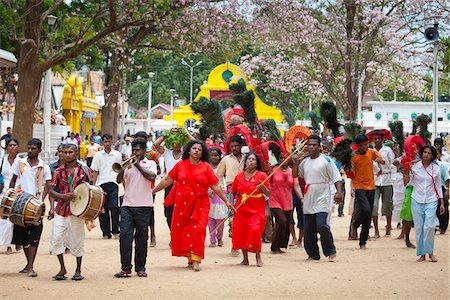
(204,187)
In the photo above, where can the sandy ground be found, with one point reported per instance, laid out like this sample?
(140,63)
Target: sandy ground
(387,269)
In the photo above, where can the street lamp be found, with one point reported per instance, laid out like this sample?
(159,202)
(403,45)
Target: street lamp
(432,35)
(47,100)
(149,114)
(172,95)
(191,67)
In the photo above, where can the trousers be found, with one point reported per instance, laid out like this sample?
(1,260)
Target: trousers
(424,216)
(313,224)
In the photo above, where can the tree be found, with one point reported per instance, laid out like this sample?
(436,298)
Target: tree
(113,23)
(334,47)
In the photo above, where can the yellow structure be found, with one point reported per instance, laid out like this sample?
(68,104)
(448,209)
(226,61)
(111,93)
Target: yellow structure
(80,105)
(217,87)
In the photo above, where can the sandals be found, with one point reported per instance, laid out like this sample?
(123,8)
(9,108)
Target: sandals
(141,274)
(23,271)
(77,277)
(31,273)
(122,274)
(60,277)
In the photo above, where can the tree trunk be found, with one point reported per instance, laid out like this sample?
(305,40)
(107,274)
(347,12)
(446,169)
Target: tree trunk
(24,110)
(351,111)
(30,75)
(110,114)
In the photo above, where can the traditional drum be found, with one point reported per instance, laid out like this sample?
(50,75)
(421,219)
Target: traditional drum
(88,203)
(21,208)
(6,205)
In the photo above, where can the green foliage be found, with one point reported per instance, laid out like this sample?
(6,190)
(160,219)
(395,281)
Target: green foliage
(178,138)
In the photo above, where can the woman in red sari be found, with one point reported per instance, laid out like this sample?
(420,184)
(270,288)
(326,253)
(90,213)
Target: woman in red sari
(250,219)
(194,176)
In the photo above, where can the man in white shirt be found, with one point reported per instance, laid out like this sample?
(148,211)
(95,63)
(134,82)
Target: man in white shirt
(34,175)
(105,177)
(71,140)
(383,184)
(126,147)
(318,171)
(439,145)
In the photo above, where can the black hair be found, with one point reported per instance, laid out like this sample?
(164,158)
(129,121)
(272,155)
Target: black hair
(361,138)
(36,142)
(258,161)
(73,146)
(432,149)
(8,127)
(188,146)
(106,136)
(12,140)
(314,137)
(141,134)
(237,138)
(378,132)
(439,141)
(139,142)
(217,150)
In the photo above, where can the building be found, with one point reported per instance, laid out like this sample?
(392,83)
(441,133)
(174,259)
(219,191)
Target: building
(217,87)
(384,111)
(79,102)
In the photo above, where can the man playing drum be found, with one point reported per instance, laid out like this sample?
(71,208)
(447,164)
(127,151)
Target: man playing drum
(33,174)
(67,227)
(136,211)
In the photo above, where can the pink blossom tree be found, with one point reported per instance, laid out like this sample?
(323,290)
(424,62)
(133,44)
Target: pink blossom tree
(331,48)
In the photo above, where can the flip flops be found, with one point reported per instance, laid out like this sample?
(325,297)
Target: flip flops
(60,277)
(141,274)
(122,274)
(23,271)
(77,277)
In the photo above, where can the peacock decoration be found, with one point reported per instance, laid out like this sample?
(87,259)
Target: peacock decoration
(329,117)
(315,121)
(246,99)
(353,129)
(421,123)
(270,127)
(343,153)
(397,133)
(212,121)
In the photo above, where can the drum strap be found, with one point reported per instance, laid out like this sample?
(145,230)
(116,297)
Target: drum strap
(39,178)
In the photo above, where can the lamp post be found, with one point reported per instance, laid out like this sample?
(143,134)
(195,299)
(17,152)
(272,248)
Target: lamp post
(47,96)
(172,95)
(149,107)
(191,67)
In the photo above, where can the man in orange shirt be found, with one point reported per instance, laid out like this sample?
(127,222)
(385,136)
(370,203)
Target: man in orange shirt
(364,186)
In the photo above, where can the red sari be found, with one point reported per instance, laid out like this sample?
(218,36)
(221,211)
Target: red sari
(191,208)
(250,219)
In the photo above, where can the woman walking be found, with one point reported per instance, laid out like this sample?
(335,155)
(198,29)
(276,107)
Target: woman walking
(250,219)
(218,209)
(426,195)
(6,227)
(281,204)
(194,176)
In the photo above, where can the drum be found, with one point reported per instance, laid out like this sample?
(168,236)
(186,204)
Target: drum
(26,210)
(88,203)
(6,204)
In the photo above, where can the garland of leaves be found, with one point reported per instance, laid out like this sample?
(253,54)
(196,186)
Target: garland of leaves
(180,137)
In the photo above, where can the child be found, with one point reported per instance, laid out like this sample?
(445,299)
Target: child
(218,210)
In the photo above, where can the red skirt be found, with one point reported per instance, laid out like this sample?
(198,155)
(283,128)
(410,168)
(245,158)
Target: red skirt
(189,221)
(248,225)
